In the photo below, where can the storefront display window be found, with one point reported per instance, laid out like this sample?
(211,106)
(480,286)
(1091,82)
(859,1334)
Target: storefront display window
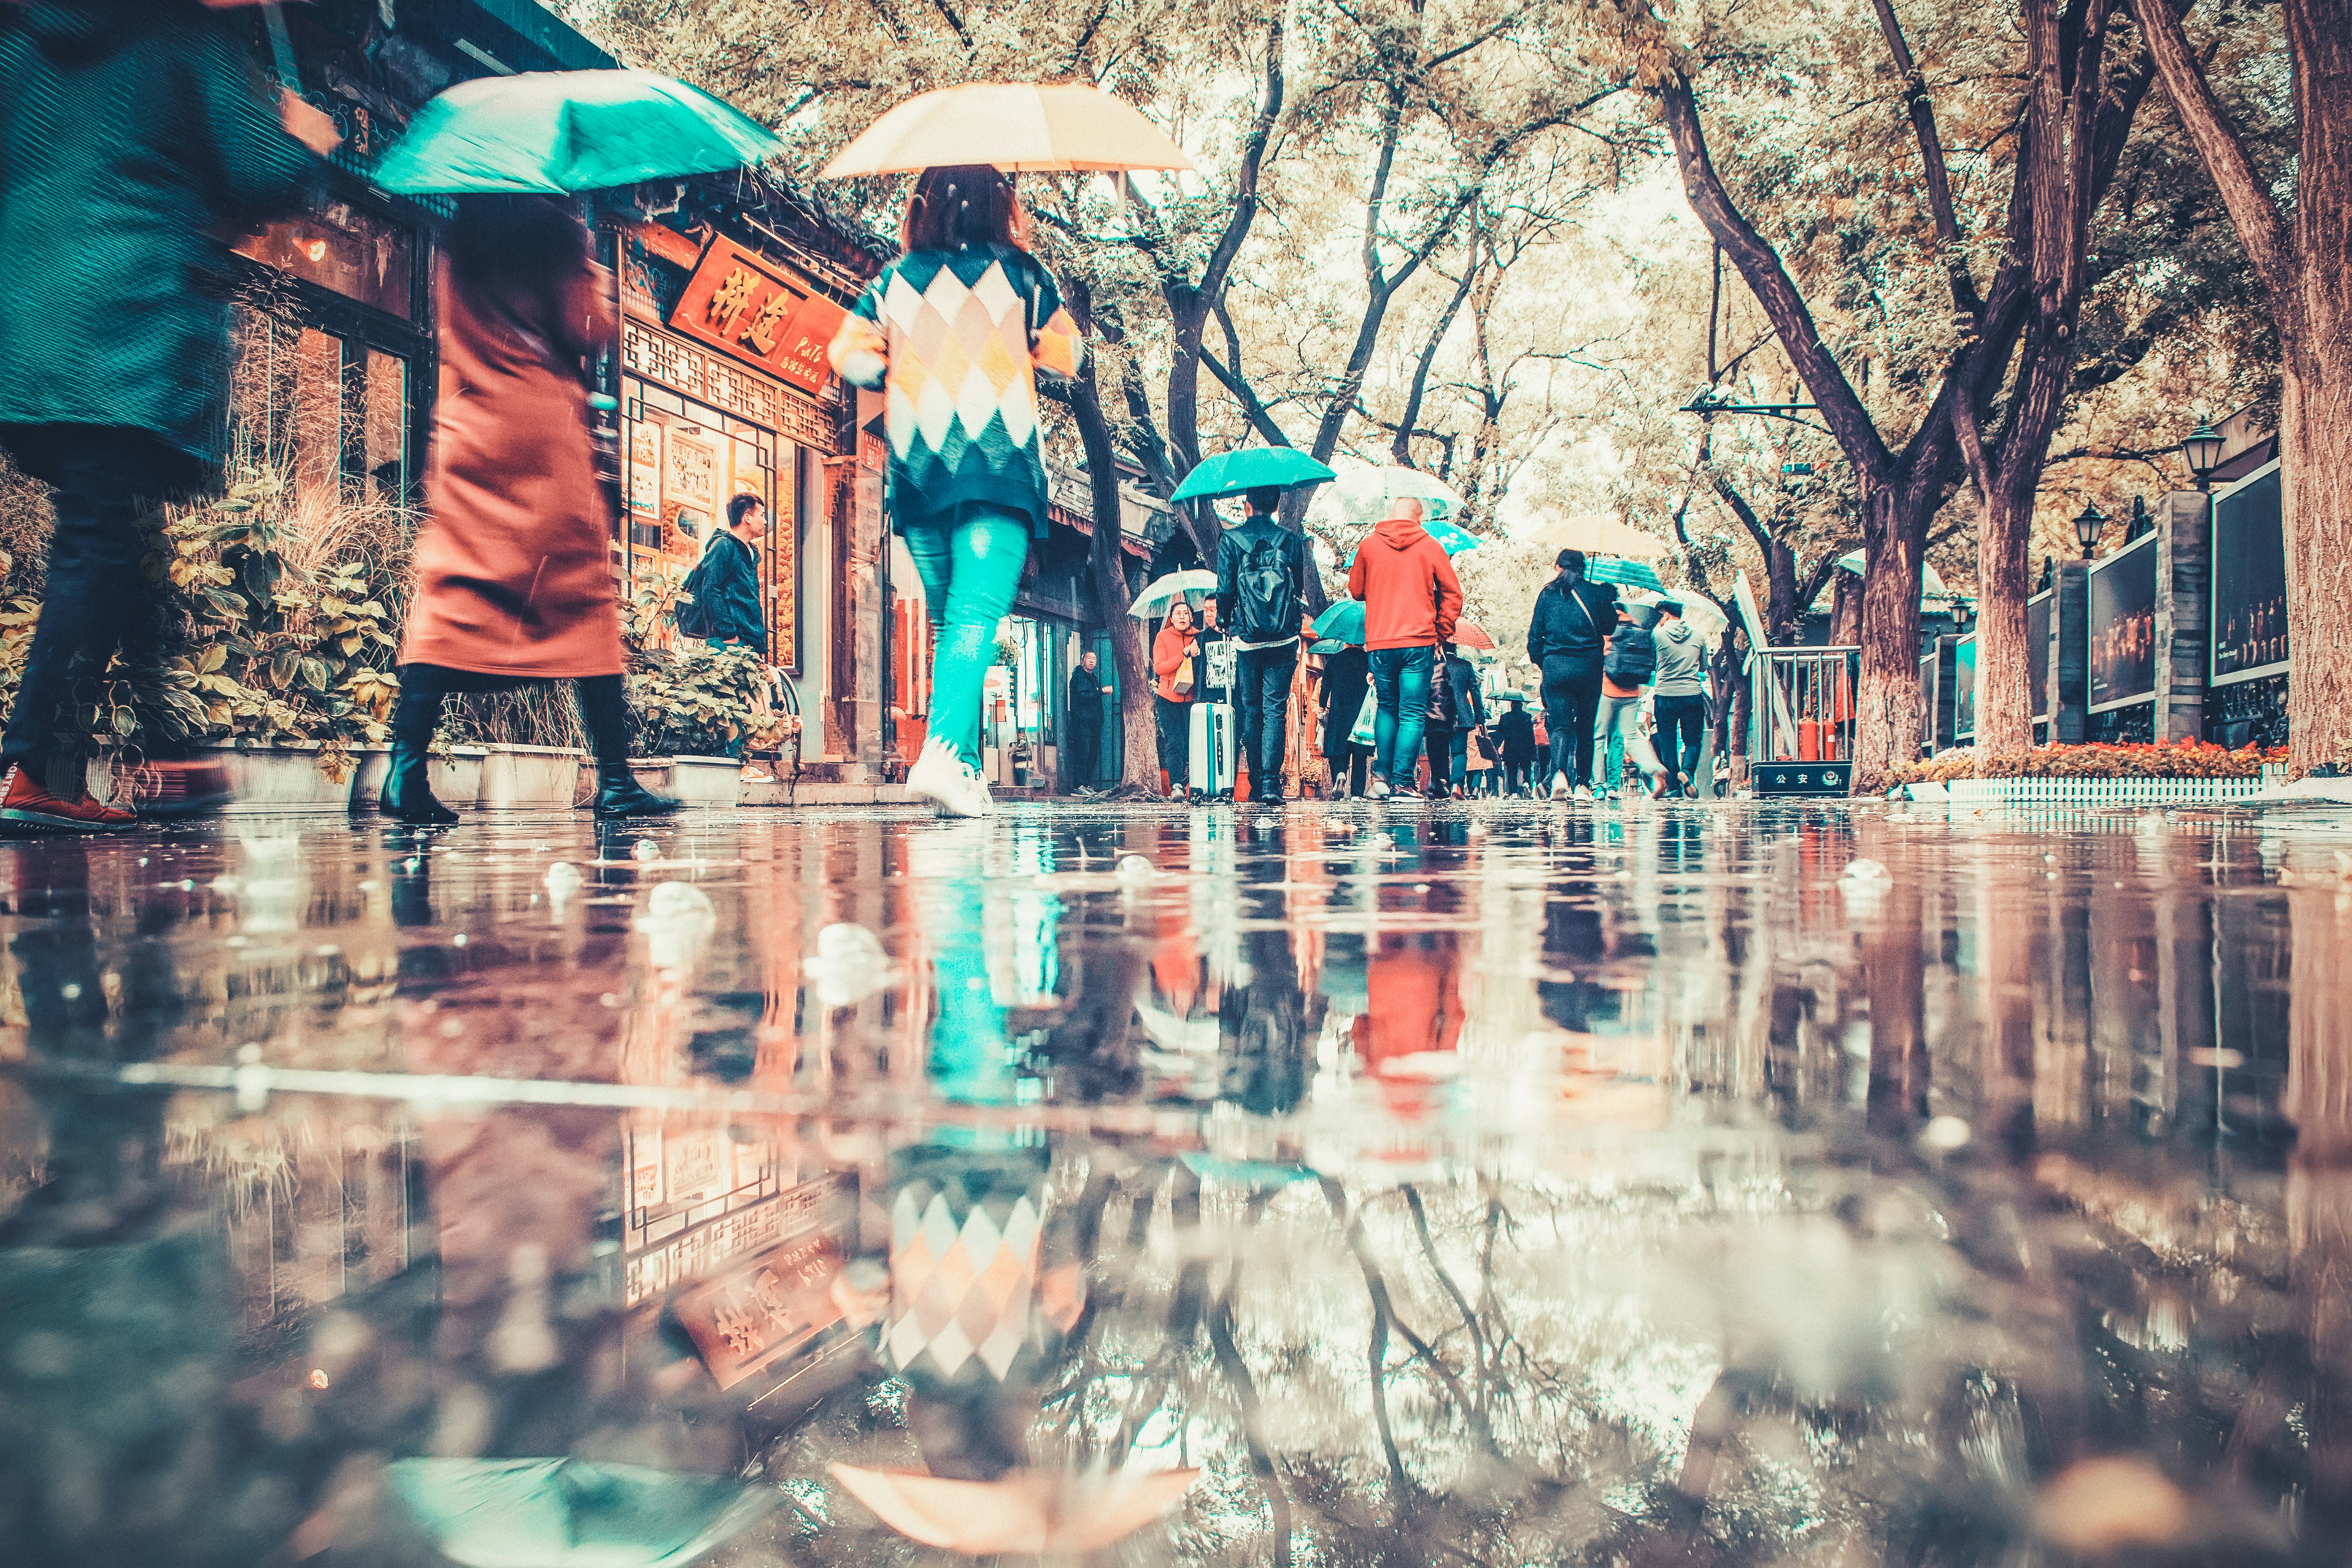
(340,248)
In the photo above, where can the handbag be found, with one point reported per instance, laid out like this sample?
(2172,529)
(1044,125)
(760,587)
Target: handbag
(1183,682)
(1361,735)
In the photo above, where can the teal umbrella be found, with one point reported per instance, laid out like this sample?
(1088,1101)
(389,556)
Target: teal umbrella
(1453,540)
(1631,574)
(1343,622)
(1251,468)
(568,1513)
(1329,646)
(557,132)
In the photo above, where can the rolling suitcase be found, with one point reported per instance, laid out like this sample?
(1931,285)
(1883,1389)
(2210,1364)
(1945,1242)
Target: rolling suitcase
(1211,764)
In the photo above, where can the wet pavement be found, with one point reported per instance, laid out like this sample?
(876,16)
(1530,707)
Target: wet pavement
(1501,1184)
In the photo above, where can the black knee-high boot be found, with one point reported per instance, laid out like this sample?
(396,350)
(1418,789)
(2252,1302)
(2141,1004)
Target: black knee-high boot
(407,792)
(605,713)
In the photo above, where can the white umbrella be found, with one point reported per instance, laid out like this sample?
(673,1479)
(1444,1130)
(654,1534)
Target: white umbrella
(1709,622)
(1359,496)
(1598,534)
(1158,599)
(1930,581)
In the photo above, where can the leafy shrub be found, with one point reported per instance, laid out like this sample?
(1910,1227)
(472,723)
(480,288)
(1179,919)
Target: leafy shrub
(2162,760)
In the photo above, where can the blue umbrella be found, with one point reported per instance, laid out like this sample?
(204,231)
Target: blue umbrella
(1631,574)
(1451,539)
(1251,468)
(1343,622)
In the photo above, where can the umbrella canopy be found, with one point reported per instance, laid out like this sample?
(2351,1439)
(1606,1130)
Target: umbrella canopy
(1251,468)
(1598,534)
(567,1513)
(1343,622)
(1016,126)
(1930,580)
(1158,599)
(1328,646)
(556,131)
(1360,498)
(1631,574)
(1471,635)
(1707,621)
(1452,539)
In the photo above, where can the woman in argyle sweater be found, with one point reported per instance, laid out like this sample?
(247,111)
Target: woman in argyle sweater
(954,333)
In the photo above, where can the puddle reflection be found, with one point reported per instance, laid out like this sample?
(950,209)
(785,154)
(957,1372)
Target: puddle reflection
(1488,1186)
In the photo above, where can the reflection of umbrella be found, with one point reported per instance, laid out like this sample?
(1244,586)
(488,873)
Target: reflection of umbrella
(1343,622)
(1930,580)
(1250,469)
(554,131)
(566,1513)
(1158,599)
(1470,633)
(1598,534)
(1631,574)
(1016,126)
(1024,1514)
(1360,498)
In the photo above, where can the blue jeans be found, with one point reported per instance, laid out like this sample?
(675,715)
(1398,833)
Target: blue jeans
(1401,680)
(970,570)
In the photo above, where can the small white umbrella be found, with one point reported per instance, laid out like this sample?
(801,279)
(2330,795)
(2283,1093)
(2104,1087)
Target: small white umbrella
(1930,580)
(1359,496)
(1156,600)
(1709,622)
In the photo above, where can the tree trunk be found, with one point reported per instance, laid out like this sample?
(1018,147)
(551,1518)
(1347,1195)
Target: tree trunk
(2004,697)
(1138,750)
(1780,608)
(2316,468)
(1886,704)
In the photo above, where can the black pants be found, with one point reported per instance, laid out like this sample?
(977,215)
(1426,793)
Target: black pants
(604,709)
(1681,725)
(1085,754)
(1437,745)
(1350,764)
(96,600)
(1571,698)
(1174,721)
(1515,777)
(1262,678)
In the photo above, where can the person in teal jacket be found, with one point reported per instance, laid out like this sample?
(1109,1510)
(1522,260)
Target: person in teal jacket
(954,333)
(132,133)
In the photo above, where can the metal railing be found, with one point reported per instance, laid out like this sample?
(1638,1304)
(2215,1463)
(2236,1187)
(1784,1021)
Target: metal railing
(1801,704)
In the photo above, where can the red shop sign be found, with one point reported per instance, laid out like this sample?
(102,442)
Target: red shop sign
(745,305)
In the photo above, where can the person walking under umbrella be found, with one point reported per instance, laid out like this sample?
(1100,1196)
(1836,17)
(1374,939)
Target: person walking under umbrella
(1262,570)
(1567,638)
(1412,600)
(129,135)
(967,459)
(1631,660)
(1176,686)
(512,581)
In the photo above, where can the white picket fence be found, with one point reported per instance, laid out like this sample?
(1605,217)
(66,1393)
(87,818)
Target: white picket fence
(2095,793)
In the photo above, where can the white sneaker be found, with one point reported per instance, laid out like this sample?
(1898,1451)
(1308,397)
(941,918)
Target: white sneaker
(1560,790)
(1377,789)
(1583,796)
(950,782)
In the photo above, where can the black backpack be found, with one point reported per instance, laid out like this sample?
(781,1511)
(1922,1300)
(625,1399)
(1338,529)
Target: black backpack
(1266,599)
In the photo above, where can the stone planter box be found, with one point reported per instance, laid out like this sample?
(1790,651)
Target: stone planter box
(530,778)
(2085,794)
(697,781)
(455,780)
(280,778)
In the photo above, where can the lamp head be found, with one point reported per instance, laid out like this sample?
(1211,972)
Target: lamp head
(2087,523)
(2201,450)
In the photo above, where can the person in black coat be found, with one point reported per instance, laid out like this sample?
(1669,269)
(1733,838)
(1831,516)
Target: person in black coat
(1345,674)
(725,584)
(1085,718)
(1514,733)
(1567,638)
(1262,571)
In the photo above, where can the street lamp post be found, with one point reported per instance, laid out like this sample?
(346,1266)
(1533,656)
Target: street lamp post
(2087,523)
(2202,449)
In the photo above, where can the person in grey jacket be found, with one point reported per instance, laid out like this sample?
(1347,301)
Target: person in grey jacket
(1679,698)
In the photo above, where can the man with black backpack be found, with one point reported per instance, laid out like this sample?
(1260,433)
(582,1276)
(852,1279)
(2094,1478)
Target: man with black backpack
(1262,570)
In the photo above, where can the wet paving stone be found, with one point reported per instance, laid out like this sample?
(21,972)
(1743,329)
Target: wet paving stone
(1834,1183)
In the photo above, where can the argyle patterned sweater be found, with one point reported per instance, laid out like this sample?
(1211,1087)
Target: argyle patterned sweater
(954,339)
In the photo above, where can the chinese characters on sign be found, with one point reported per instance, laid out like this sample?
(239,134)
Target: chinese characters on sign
(746,305)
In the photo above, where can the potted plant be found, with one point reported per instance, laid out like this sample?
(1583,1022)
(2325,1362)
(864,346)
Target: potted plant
(691,706)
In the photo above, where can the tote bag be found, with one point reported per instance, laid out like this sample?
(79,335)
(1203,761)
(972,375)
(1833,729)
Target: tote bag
(1361,735)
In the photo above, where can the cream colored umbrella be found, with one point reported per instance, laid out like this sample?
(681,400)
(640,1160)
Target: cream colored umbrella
(1015,126)
(1598,533)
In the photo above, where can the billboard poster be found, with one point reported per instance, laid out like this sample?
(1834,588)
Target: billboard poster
(2249,580)
(2123,626)
(2037,651)
(1964,687)
(1928,703)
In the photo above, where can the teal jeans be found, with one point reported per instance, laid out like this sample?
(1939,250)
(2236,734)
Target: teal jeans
(970,571)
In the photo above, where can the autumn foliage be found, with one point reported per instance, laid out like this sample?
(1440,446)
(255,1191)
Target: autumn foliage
(2163,760)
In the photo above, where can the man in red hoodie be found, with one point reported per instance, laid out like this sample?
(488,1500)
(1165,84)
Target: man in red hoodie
(1410,603)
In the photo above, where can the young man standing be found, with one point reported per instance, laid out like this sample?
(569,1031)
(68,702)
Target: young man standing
(1085,718)
(1679,698)
(1412,601)
(1261,595)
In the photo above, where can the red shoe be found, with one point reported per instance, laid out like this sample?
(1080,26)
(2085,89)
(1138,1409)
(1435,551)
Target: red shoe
(26,803)
(176,789)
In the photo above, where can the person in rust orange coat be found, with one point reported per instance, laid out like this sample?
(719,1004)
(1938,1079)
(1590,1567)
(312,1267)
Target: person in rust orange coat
(513,578)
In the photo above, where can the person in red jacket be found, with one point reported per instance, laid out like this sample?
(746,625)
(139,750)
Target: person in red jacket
(1174,690)
(1410,603)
